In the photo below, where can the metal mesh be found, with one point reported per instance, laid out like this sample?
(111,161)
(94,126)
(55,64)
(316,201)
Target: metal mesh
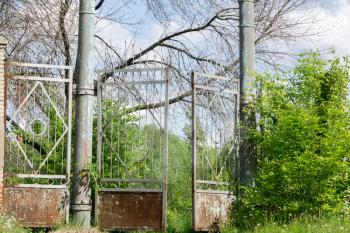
(132,133)
(215,117)
(38,123)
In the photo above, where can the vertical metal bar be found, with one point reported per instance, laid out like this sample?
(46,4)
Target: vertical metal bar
(165,162)
(247,57)
(7,146)
(3,85)
(146,139)
(56,132)
(131,128)
(69,136)
(153,99)
(41,135)
(119,155)
(125,134)
(33,140)
(139,139)
(194,150)
(99,146)
(111,141)
(104,146)
(236,140)
(160,120)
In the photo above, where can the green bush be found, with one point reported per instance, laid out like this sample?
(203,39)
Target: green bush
(303,143)
(333,224)
(10,225)
(179,212)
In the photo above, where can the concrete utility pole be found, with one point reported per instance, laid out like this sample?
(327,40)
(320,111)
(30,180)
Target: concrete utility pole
(247,70)
(81,201)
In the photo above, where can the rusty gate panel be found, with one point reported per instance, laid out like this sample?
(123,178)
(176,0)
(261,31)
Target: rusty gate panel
(36,207)
(130,210)
(211,210)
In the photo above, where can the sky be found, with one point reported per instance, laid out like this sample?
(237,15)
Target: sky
(334,24)
(335,16)
(143,33)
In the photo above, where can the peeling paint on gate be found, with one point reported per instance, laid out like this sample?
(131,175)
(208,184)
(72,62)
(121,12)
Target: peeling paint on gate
(211,209)
(36,207)
(130,210)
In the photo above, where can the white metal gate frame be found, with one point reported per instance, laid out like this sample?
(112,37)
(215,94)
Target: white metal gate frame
(216,91)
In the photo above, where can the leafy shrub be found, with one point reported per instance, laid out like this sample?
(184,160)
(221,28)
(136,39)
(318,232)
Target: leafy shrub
(179,220)
(10,225)
(303,143)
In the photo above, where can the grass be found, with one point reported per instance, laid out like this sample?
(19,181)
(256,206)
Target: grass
(75,230)
(305,225)
(10,225)
(72,227)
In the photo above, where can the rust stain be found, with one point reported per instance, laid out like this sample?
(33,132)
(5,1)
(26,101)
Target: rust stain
(211,210)
(130,210)
(35,207)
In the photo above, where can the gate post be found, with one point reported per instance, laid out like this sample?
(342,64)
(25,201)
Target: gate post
(3,44)
(247,155)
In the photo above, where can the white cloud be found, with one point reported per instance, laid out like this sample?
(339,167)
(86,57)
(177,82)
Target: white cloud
(340,34)
(335,19)
(128,42)
(113,33)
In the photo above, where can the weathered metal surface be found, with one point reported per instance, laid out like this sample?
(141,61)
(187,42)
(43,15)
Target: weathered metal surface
(35,207)
(211,209)
(81,201)
(130,210)
(248,163)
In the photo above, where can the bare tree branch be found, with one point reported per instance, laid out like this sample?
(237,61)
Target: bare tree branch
(99,5)
(163,40)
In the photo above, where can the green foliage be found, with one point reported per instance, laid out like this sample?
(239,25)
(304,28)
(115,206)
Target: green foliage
(118,135)
(303,143)
(211,160)
(180,185)
(10,225)
(332,224)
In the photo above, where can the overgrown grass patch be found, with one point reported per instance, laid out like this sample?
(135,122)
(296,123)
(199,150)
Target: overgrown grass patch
(339,224)
(10,225)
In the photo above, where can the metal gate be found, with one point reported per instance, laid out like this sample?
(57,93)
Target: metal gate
(132,151)
(214,148)
(38,143)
